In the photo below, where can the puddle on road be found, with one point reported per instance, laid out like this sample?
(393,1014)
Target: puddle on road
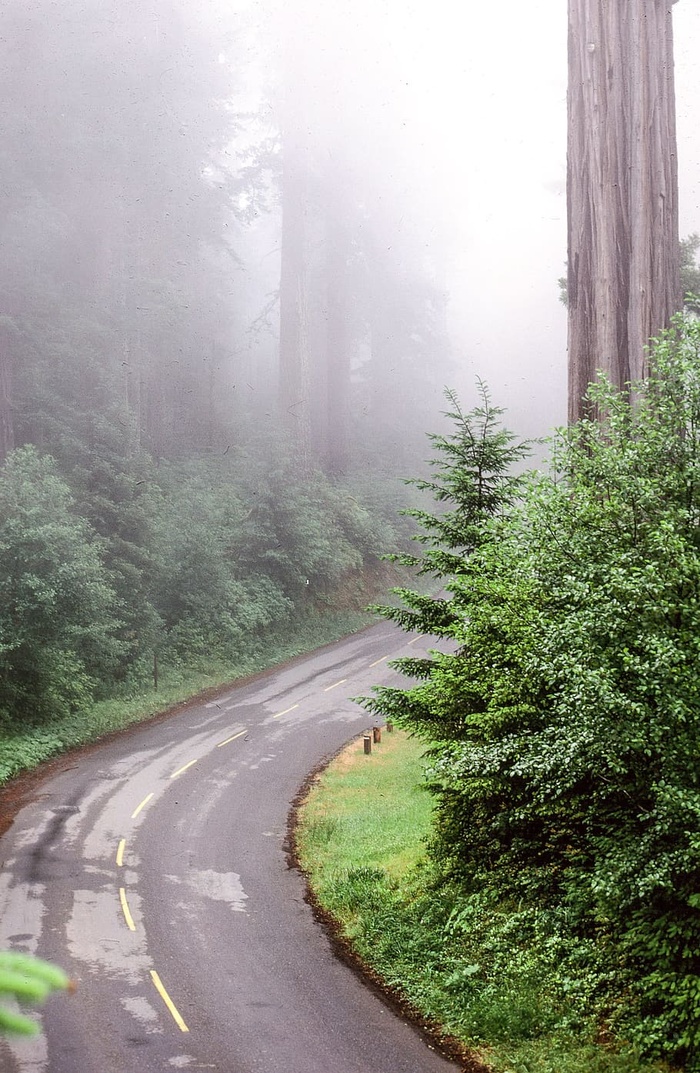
(22,911)
(219,886)
(97,936)
(141,1009)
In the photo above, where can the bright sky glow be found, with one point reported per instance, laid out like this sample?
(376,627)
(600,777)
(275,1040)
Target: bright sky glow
(472,98)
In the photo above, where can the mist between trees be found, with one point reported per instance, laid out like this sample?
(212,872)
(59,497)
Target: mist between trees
(221,336)
(197,243)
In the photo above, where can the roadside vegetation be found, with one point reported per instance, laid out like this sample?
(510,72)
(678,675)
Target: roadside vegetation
(23,747)
(198,573)
(198,472)
(497,979)
(561,727)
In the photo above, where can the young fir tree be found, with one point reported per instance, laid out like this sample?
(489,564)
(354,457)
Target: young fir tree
(473,483)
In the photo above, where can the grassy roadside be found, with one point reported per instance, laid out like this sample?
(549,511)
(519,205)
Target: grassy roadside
(22,749)
(482,974)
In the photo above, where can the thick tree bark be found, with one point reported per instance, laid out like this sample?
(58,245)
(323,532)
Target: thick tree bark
(623,248)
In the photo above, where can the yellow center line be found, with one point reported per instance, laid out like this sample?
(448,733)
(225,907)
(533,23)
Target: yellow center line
(285,712)
(183,768)
(168,1001)
(120,852)
(125,909)
(335,684)
(418,638)
(143,804)
(233,738)
(378,661)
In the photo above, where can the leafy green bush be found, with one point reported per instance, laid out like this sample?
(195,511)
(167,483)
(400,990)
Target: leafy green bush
(207,599)
(28,979)
(191,563)
(56,605)
(565,724)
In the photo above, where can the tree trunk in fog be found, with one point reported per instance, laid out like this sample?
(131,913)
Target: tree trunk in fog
(7,438)
(337,340)
(622,186)
(294,348)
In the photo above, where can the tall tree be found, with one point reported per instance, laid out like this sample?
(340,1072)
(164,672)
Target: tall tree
(7,436)
(294,346)
(361,348)
(115,229)
(623,251)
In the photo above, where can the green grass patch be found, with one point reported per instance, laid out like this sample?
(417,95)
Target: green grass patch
(497,976)
(23,748)
(367,812)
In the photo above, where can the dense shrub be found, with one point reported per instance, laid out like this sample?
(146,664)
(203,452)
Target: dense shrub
(57,624)
(191,563)
(565,722)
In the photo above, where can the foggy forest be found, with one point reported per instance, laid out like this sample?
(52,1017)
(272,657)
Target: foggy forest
(217,321)
(255,399)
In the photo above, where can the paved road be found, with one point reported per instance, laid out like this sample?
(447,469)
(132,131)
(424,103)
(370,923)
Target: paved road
(154,869)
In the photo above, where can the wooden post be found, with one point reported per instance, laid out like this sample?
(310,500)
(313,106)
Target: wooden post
(155,670)
(368,743)
(377,734)
(389,726)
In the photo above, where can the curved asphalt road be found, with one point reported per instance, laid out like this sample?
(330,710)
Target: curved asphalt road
(154,871)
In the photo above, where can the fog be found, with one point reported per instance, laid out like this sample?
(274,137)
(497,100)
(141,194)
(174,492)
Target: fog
(343,209)
(472,99)
(245,246)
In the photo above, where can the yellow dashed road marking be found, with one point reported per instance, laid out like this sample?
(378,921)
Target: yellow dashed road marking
(233,738)
(335,685)
(120,853)
(378,661)
(286,710)
(143,804)
(419,638)
(125,909)
(183,768)
(168,1001)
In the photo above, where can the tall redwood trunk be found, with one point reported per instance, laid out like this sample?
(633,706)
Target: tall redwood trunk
(623,255)
(296,118)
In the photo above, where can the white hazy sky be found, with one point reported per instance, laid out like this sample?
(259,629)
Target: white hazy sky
(490,105)
(477,95)
(505,304)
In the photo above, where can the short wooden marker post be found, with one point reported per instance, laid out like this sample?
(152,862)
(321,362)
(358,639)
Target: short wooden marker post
(368,743)
(377,735)
(389,726)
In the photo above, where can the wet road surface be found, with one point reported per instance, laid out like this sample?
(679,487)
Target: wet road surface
(154,869)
